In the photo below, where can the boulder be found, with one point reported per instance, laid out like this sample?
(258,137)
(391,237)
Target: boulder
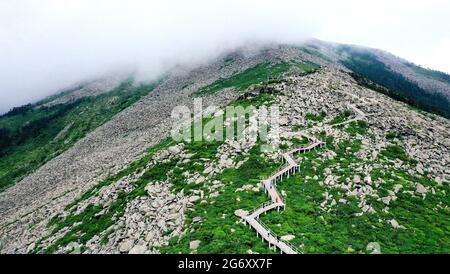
(196,219)
(287,237)
(126,246)
(397,187)
(386,200)
(395,224)
(241,213)
(421,189)
(194,198)
(194,244)
(138,249)
(162,155)
(174,150)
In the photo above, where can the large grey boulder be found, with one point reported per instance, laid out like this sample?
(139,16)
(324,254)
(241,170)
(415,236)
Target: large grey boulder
(194,244)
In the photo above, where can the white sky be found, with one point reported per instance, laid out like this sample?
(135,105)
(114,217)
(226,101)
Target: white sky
(46,45)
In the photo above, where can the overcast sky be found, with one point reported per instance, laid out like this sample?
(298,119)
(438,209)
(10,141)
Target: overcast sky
(46,45)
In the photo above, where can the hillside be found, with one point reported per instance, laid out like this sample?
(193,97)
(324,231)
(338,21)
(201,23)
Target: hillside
(367,161)
(33,134)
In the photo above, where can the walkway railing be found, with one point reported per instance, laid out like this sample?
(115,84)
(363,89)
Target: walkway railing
(254,221)
(278,238)
(268,203)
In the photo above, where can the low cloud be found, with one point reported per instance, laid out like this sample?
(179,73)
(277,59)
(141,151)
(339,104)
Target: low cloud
(46,45)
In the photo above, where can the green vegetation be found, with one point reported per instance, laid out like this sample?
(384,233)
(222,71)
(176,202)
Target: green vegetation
(434,74)
(311,49)
(374,74)
(357,127)
(316,231)
(218,219)
(97,220)
(33,134)
(314,117)
(339,230)
(257,74)
(136,166)
(392,135)
(396,152)
(94,220)
(300,142)
(341,117)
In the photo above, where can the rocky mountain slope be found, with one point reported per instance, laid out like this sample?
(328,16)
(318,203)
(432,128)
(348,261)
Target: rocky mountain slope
(125,186)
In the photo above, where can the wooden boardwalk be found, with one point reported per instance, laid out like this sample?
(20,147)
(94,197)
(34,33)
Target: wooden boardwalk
(276,200)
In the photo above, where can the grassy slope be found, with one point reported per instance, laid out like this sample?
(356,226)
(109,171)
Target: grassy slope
(91,221)
(257,74)
(366,64)
(39,134)
(301,218)
(335,231)
(434,74)
(88,223)
(426,222)
(218,231)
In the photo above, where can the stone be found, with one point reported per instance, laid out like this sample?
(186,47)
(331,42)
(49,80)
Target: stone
(287,237)
(200,180)
(163,155)
(386,200)
(73,248)
(224,162)
(194,198)
(174,150)
(126,246)
(196,219)
(333,202)
(138,249)
(395,224)
(241,212)
(421,189)
(419,169)
(208,170)
(214,194)
(397,187)
(161,224)
(150,236)
(194,244)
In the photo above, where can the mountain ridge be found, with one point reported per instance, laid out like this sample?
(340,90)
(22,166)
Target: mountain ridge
(121,141)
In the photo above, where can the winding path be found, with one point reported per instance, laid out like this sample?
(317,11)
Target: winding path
(276,200)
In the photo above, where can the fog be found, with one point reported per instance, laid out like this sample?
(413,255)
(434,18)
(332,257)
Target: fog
(47,45)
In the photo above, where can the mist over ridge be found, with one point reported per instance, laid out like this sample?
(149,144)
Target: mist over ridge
(46,46)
